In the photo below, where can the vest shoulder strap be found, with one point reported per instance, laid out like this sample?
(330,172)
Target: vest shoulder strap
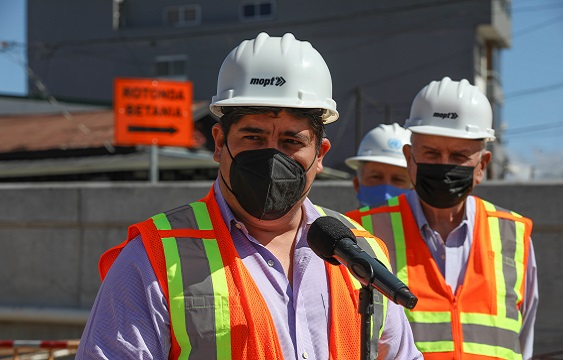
(360,232)
(376,248)
(497,211)
(109,256)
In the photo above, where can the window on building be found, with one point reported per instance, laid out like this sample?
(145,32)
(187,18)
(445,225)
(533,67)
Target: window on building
(480,60)
(172,67)
(118,14)
(494,60)
(506,6)
(497,116)
(257,10)
(182,15)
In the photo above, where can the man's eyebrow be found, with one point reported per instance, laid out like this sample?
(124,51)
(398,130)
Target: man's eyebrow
(297,135)
(289,133)
(252,130)
(427,147)
(464,151)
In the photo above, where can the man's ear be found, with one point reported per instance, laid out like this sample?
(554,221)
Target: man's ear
(356,182)
(407,152)
(485,160)
(219,137)
(324,148)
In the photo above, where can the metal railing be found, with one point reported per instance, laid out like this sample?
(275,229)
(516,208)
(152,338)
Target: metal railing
(557,355)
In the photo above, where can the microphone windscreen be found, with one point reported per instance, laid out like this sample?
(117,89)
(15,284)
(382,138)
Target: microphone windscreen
(323,235)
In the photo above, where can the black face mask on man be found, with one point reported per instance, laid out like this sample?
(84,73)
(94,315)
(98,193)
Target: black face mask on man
(266,182)
(443,185)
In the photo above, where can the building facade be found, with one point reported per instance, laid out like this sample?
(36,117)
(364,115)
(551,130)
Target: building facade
(380,53)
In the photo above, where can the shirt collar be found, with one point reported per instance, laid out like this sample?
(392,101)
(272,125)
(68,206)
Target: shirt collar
(226,212)
(422,223)
(310,213)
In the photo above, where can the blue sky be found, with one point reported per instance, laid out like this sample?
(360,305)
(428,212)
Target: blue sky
(532,77)
(12,29)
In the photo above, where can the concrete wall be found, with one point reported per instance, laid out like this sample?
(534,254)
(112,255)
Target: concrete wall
(51,237)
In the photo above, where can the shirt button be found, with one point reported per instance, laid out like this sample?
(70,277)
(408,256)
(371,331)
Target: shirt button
(305,355)
(270,263)
(443,257)
(238,226)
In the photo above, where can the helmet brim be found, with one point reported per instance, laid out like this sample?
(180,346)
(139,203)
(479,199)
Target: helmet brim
(453,133)
(330,115)
(354,162)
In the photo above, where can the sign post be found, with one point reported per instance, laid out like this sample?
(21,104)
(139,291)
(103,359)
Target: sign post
(153,112)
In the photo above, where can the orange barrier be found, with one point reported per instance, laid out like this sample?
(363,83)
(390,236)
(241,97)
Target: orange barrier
(37,349)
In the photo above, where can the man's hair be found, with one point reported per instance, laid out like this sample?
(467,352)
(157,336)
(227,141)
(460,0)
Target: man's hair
(232,114)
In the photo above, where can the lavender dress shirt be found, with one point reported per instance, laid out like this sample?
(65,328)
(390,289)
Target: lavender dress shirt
(130,319)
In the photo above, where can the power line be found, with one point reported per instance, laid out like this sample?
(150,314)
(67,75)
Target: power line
(533,91)
(533,128)
(556,5)
(237,28)
(51,48)
(538,26)
(341,17)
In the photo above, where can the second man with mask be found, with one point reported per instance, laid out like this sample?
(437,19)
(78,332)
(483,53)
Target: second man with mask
(470,263)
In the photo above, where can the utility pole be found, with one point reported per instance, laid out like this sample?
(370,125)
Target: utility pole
(359,117)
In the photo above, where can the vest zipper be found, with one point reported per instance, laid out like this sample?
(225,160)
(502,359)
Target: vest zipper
(457,330)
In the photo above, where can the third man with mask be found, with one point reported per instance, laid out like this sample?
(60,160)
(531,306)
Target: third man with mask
(381,168)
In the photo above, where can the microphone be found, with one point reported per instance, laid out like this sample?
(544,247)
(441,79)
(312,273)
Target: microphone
(335,243)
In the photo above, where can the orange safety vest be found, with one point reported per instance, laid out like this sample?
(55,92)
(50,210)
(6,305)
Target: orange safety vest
(216,309)
(482,319)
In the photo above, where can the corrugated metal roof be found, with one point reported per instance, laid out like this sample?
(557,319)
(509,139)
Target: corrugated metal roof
(46,132)
(18,106)
(63,131)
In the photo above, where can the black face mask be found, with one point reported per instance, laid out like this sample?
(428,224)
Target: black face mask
(266,182)
(443,186)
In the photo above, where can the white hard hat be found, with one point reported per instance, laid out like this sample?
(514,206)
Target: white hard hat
(278,72)
(453,109)
(382,144)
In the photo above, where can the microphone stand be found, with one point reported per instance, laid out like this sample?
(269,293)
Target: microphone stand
(366,310)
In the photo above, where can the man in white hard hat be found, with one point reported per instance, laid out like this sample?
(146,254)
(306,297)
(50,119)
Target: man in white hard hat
(470,263)
(232,276)
(381,168)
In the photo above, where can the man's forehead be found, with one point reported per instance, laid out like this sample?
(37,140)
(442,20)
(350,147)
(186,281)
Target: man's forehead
(381,167)
(443,142)
(269,122)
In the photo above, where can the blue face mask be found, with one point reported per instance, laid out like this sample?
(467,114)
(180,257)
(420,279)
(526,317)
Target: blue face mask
(375,195)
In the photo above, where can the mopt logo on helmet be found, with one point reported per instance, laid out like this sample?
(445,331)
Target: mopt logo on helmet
(274,81)
(451,115)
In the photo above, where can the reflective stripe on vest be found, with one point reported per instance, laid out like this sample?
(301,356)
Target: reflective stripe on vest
(209,277)
(483,318)
(367,242)
(187,291)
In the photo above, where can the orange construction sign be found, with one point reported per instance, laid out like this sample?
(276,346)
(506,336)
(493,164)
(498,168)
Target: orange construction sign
(153,112)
